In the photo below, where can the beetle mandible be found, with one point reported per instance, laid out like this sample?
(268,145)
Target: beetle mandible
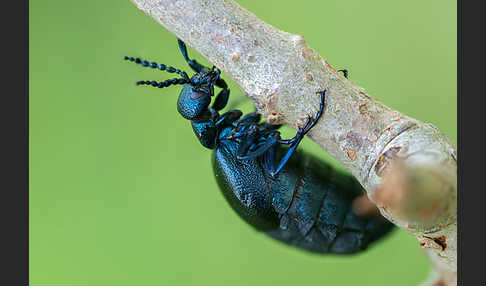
(301,200)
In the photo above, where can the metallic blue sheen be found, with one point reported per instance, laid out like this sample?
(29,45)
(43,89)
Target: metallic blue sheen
(192,103)
(294,206)
(280,190)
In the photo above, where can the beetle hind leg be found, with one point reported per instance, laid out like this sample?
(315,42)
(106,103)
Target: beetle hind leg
(294,142)
(345,72)
(319,113)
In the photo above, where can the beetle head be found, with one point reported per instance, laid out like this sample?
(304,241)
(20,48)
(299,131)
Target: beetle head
(195,97)
(203,82)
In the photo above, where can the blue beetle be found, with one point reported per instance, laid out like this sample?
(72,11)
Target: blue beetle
(301,200)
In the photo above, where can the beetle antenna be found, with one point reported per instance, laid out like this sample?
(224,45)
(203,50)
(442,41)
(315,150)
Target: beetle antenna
(163,84)
(154,65)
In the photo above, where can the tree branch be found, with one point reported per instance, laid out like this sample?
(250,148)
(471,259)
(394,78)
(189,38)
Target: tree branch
(407,167)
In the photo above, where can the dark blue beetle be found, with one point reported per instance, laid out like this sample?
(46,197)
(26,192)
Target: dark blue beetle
(301,200)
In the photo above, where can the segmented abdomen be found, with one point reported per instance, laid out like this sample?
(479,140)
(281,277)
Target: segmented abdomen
(314,202)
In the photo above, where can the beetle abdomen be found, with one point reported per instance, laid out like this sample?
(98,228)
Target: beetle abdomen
(307,205)
(314,205)
(242,183)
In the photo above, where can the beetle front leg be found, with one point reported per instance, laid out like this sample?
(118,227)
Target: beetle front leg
(221,99)
(345,72)
(197,67)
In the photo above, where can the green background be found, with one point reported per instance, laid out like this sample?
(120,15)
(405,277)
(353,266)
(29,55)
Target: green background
(122,193)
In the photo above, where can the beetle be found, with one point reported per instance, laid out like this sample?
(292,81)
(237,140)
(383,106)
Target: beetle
(301,200)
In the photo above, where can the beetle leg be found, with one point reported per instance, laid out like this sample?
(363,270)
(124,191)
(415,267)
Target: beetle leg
(197,67)
(253,117)
(221,99)
(228,118)
(308,124)
(269,160)
(268,126)
(345,72)
(243,130)
(287,155)
(261,147)
(245,145)
(221,83)
(319,113)
(294,142)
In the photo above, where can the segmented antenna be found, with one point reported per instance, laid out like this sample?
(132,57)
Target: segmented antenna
(154,65)
(163,84)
